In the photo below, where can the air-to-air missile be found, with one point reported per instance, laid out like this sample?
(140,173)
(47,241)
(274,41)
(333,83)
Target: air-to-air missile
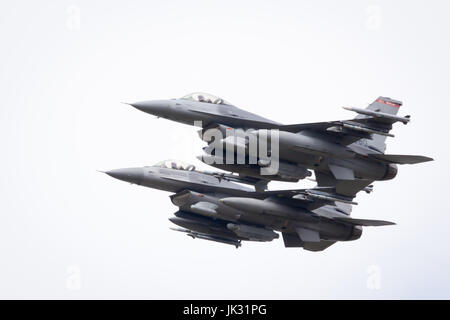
(335,150)
(193,235)
(217,207)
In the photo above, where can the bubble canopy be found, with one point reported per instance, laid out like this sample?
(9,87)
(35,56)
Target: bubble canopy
(206,98)
(175,164)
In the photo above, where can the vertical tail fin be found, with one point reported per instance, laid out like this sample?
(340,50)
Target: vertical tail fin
(385,105)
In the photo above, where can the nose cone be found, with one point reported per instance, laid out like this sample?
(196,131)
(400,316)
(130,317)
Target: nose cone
(159,108)
(132,175)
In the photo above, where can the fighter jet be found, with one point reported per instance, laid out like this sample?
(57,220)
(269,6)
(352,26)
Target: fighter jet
(217,207)
(337,151)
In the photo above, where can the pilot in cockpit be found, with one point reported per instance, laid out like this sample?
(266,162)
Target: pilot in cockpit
(205,98)
(202,99)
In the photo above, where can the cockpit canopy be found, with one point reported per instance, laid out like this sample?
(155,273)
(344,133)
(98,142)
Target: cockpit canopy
(206,98)
(175,164)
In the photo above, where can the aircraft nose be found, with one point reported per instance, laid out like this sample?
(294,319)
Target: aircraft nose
(158,108)
(132,175)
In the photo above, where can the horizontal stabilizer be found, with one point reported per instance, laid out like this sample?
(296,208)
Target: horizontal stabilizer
(364,222)
(400,158)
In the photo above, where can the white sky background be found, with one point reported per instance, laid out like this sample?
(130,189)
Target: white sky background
(67,231)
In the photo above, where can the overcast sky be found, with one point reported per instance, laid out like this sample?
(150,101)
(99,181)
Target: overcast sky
(68,231)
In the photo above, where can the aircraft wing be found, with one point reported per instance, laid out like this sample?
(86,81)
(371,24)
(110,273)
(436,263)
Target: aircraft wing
(345,131)
(324,127)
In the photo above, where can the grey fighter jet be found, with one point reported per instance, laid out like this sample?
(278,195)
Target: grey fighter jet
(337,151)
(217,207)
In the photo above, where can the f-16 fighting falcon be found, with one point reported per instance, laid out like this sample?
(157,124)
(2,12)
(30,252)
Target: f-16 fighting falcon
(217,207)
(337,151)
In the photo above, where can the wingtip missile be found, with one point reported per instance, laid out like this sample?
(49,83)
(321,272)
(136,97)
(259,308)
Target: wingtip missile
(197,235)
(328,197)
(179,230)
(377,114)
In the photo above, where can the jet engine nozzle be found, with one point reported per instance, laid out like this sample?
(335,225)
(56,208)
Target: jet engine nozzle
(356,233)
(391,172)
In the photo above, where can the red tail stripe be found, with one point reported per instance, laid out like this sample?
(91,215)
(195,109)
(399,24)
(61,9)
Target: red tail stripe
(392,104)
